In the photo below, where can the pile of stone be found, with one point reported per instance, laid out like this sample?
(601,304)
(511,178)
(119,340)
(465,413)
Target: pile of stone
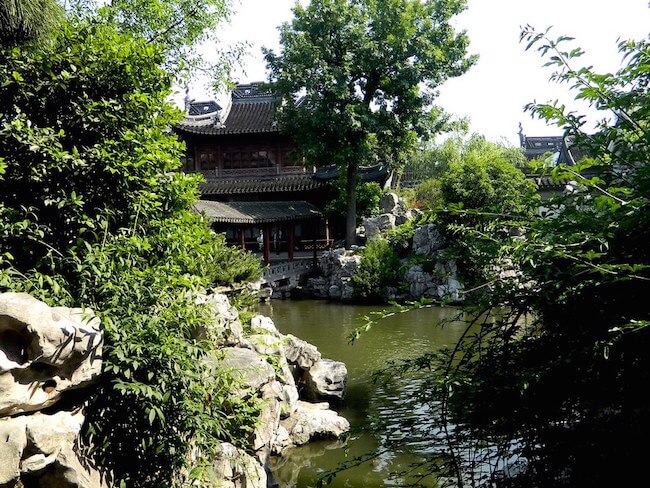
(442,281)
(291,378)
(335,271)
(395,212)
(44,353)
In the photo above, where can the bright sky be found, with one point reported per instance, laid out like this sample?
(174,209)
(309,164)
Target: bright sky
(493,93)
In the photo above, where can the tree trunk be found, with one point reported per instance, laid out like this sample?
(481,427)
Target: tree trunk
(351,217)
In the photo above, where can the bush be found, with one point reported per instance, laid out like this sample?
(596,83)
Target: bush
(428,194)
(486,177)
(379,269)
(94,214)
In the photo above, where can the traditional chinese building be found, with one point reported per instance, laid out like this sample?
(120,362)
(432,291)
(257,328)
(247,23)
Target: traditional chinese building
(559,150)
(254,185)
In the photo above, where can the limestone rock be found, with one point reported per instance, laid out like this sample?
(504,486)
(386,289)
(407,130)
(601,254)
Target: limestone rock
(427,240)
(335,292)
(269,420)
(300,353)
(265,343)
(326,380)
(264,325)
(13,440)
(236,469)
(313,421)
(388,202)
(44,351)
(246,366)
(225,326)
(40,450)
(376,226)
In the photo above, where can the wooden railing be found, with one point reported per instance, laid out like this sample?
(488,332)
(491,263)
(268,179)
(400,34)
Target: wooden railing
(211,174)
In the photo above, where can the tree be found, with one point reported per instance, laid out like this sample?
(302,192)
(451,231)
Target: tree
(27,20)
(358,79)
(94,213)
(177,25)
(474,173)
(480,174)
(551,367)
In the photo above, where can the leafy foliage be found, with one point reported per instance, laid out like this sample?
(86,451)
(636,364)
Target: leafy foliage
(177,25)
(368,198)
(380,268)
(93,213)
(360,65)
(28,20)
(549,372)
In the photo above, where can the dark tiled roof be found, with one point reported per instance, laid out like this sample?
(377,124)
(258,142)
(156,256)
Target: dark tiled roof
(537,146)
(244,118)
(367,173)
(202,108)
(252,92)
(287,183)
(257,212)
(563,150)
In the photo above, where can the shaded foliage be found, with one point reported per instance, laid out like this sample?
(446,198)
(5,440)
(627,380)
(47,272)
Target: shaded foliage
(380,268)
(93,212)
(28,20)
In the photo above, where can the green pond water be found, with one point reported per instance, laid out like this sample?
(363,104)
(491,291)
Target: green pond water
(328,326)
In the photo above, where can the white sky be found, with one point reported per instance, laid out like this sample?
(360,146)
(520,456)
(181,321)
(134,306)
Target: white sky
(493,92)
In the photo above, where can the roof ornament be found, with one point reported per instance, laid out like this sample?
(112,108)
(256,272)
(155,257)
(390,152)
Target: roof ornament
(187,99)
(522,137)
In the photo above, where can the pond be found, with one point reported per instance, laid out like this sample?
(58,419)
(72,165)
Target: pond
(328,326)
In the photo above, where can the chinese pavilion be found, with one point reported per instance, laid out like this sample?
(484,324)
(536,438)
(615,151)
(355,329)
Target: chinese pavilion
(254,190)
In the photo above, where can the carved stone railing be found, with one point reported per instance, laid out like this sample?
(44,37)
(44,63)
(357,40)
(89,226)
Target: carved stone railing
(287,269)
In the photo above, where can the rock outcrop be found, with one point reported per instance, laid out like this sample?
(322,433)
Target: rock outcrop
(326,380)
(395,212)
(269,366)
(336,269)
(44,352)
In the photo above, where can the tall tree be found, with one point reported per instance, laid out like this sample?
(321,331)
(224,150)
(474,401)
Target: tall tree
(26,20)
(178,25)
(365,72)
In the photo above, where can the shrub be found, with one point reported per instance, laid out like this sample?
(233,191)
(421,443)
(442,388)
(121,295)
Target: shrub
(368,198)
(428,194)
(379,269)
(92,213)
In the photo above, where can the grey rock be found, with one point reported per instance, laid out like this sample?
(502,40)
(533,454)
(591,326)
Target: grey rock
(335,292)
(300,353)
(347,293)
(236,469)
(224,326)
(326,380)
(388,202)
(44,351)
(427,240)
(312,421)
(264,325)
(35,442)
(245,366)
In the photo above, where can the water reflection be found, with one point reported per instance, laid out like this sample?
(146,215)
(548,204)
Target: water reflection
(370,407)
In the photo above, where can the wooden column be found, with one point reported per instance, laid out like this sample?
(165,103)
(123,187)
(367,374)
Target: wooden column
(327,233)
(291,245)
(315,236)
(267,244)
(242,241)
